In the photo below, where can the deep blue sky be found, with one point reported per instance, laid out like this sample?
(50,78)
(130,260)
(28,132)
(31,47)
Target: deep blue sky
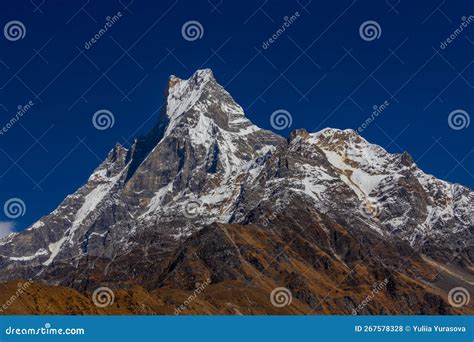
(319,70)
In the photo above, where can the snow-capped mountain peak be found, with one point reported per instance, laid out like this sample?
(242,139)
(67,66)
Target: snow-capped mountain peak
(183,94)
(204,106)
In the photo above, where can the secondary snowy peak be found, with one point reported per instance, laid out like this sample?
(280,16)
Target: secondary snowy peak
(349,145)
(393,195)
(360,165)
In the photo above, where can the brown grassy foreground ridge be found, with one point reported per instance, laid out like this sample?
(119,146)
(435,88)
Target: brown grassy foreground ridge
(302,268)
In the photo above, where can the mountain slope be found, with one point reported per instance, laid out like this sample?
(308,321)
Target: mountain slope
(185,200)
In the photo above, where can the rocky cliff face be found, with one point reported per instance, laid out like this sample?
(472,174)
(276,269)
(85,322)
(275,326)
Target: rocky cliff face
(207,194)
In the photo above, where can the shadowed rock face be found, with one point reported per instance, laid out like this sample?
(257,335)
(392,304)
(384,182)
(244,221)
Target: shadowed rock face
(207,194)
